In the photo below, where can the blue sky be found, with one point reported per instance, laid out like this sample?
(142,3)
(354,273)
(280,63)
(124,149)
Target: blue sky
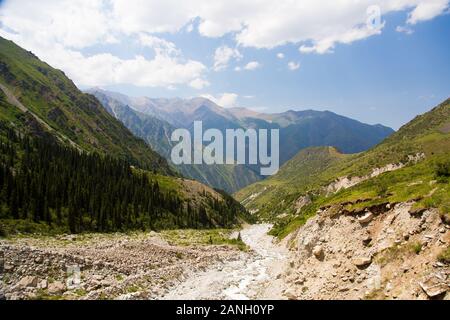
(385,76)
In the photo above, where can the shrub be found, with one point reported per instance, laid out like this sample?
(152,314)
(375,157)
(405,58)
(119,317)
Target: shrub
(416,247)
(442,169)
(3,233)
(444,256)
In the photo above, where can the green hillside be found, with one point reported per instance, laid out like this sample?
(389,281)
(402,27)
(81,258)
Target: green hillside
(424,179)
(54,104)
(276,195)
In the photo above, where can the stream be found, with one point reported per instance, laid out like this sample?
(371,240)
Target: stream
(252,275)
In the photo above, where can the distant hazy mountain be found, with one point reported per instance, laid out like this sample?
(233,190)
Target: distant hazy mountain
(156,132)
(298,130)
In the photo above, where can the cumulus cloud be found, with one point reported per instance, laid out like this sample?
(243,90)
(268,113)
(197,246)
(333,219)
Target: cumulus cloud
(426,10)
(63,29)
(252,65)
(293,65)
(57,31)
(226,100)
(223,55)
(280,55)
(161,46)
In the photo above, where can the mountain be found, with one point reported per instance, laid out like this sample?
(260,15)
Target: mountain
(298,130)
(156,132)
(410,165)
(302,129)
(68,165)
(48,101)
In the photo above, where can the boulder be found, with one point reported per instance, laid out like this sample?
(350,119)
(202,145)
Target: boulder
(318,252)
(290,294)
(366,218)
(361,262)
(43,284)
(28,282)
(56,287)
(367,239)
(434,285)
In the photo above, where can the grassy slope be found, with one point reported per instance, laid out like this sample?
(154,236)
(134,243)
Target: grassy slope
(297,177)
(54,98)
(428,133)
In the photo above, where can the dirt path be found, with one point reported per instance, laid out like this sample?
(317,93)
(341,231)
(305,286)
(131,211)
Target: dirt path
(251,275)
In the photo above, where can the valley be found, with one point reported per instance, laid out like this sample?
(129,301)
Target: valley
(92,208)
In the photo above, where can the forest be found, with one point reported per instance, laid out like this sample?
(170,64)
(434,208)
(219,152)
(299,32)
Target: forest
(44,182)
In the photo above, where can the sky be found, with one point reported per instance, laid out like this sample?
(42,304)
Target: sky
(379,61)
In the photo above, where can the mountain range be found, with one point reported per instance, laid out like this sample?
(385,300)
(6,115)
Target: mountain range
(155,119)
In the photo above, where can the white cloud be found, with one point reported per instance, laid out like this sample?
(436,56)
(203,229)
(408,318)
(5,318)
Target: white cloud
(223,55)
(293,65)
(161,46)
(404,29)
(60,31)
(199,83)
(280,55)
(106,69)
(226,100)
(427,10)
(252,65)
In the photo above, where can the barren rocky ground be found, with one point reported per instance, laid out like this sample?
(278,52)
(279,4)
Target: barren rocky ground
(142,266)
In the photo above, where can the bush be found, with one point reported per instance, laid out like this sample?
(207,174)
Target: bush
(381,188)
(3,233)
(442,169)
(416,247)
(444,256)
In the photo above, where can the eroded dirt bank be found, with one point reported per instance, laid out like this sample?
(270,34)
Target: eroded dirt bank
(390,251)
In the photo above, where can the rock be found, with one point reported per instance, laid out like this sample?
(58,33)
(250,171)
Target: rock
(434,285)
(28,281)
(362,261)
(318,252)
(290,294)
(7,267)
(344,289)
(56,287)
(43,284)
(366,218)
(38,259)
(367,239)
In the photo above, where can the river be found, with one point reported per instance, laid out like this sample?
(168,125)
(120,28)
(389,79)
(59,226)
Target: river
(252,275)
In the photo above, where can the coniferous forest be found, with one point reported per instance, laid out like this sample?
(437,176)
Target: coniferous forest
(42,181)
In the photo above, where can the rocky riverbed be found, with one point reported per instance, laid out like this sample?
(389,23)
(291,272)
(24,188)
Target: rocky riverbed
(97,266)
